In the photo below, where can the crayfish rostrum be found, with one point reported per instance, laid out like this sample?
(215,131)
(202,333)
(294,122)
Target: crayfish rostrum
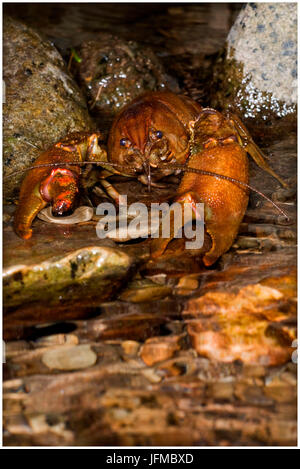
(156,135)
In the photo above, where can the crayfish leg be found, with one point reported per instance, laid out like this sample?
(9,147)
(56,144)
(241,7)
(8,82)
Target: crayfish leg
(250,146)
(159,245)
(95,152)
(109,188)
(176,220)
(144,180)
(30,204)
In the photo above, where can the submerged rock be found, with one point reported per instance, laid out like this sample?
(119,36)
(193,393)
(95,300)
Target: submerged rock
(113,72)
(258,78)
(42,102)
(157,349)
(140,291)
(70,358)
(248,325)
(90,272)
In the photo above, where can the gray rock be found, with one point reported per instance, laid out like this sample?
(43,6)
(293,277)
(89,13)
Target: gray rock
(257,77)
(262,46)
(264,40)
(42,102)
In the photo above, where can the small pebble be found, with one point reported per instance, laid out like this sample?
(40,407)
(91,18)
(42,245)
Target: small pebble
(6,217)
(160,279)
(145,291)
(150,374)
(130,347)
(158,349)
(57,339)
(186,285)
(70,358)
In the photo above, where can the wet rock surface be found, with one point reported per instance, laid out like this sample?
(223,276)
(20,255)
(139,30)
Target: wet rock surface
(63,279)
(181,399)
(139,368)
(42,101)
(206,359)
(248,326)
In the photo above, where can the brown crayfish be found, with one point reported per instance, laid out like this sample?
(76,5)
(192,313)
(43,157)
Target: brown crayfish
(156,135)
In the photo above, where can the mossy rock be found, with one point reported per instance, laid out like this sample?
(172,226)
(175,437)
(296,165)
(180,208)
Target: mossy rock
(42,101)
(90,272)
(113,72)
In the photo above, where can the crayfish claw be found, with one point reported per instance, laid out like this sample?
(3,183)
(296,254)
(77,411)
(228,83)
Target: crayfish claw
(29,206)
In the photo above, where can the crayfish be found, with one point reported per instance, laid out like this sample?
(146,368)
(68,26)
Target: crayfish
(156,135)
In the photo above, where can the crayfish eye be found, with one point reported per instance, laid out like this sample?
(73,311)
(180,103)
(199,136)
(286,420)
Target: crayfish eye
(158,134)
(125,143)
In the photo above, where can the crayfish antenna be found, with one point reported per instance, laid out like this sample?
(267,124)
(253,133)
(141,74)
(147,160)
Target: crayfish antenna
(234,181)
(250,146)
(180,167)
(69,163)
(147,169)
(149,178)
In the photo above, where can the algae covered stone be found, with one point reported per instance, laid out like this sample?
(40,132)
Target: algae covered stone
(92,272)
(42,103)
(113,72)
